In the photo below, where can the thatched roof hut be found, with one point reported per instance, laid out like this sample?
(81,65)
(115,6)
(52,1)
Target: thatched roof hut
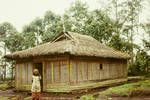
(69,59)
(74,44)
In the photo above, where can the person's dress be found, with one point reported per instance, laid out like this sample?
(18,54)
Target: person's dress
(36,87)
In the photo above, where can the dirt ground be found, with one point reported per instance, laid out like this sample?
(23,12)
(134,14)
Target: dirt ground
(11,95)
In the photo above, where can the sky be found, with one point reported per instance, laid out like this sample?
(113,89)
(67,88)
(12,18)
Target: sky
(21,12)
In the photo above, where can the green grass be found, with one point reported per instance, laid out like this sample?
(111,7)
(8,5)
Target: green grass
(7,84)
(128,89)
(4,86)
(87,97)
(4,98)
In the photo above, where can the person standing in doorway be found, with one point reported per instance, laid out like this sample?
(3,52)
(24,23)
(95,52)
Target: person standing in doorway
(36,87)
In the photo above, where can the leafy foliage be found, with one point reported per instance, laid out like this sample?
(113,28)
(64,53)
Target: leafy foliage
(14,42)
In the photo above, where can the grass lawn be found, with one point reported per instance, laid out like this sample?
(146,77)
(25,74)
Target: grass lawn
(139,88)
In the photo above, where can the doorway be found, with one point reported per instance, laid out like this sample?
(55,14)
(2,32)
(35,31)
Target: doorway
(39,66)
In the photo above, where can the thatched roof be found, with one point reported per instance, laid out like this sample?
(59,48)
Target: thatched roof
(73,44)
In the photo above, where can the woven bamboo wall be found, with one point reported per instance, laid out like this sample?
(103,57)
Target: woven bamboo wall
(70,71)
(76,71)
(23,76)
(56,73)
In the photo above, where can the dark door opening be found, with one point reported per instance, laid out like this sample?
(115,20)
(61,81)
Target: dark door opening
(39,66)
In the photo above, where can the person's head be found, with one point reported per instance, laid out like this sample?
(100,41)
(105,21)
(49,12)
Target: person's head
(35,72)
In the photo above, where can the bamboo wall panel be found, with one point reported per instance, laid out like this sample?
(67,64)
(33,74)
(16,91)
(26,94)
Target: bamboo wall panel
(73,72)
(29,73)
(106,67)
(96,71)
(80,72)
(116,70)
(124,70)
(120,70)
(112,70)
(115,67)
(64,72)
(84,70)
(23,76)
(103,72)
(48,72)
(17,76)
(90,71)
(56,72)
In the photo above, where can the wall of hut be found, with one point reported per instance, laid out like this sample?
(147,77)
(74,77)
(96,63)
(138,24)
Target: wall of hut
(74,71)
(23,77)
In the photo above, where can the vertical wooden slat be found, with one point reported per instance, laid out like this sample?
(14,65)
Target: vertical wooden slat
(30,72)
(59,65)
(56,72)
(16,75)
(104,71)
(80,72)
(64,73)
(52,72)
(27,67)
(20,75)
(108,71)
(73,74)
(97,74)
(68,66)
(44,82)
(90,71)
(87,70)
(77,79)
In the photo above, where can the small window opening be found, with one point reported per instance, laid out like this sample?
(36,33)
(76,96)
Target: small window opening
(101,66)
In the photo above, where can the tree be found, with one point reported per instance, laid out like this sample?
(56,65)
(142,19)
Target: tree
(126,14)
(100,26)
(35,30)
(6,29)
(75,17)
(95,23)
(52,26)
(14,42)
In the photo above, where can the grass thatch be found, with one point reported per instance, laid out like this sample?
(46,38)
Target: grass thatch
(72,43)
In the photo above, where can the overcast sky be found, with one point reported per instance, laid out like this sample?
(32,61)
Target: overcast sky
(21,12)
